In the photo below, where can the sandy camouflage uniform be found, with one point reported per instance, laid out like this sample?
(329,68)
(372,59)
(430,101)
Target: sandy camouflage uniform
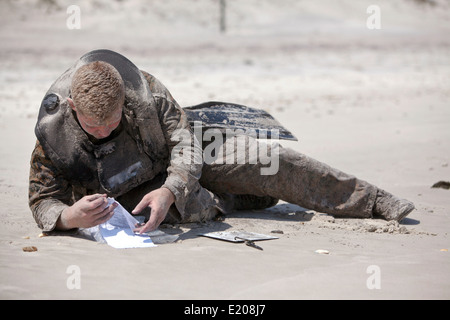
(201,190)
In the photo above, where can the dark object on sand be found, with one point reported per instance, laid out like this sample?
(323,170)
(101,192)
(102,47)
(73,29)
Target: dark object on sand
(442,185)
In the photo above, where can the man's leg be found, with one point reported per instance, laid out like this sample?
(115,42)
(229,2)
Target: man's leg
(298,179)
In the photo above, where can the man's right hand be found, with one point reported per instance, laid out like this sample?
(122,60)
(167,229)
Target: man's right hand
(87,212)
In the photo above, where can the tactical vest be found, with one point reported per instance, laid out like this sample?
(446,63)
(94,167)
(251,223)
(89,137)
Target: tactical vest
(135,155)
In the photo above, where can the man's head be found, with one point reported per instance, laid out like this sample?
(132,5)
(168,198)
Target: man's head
(98,95)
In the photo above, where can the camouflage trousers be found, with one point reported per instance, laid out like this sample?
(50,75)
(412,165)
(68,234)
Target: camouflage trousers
(297,179)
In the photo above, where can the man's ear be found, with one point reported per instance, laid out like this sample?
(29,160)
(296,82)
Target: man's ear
(71,104)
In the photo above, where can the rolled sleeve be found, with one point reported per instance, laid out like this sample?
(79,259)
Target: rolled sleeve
(48,194)
(186,160)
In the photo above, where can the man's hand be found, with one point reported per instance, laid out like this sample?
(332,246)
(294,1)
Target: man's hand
(159,201)
(87,212)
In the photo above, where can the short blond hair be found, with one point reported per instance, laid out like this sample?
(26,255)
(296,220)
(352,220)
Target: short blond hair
(97,90)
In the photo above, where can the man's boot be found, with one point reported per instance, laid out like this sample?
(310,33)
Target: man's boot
(252,202)
(390,207)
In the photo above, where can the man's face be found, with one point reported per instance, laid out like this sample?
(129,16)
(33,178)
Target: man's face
(96,128)
(102,129)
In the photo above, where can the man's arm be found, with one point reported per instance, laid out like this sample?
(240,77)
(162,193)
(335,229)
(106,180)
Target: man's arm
(48,194)
(186,161)
(50,199)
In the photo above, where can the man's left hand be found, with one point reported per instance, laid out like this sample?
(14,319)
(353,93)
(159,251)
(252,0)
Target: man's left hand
(159,201)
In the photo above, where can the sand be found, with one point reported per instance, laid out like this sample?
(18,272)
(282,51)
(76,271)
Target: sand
(374,103)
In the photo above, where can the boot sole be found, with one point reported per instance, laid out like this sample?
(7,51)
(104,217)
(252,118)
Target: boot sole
(410,207)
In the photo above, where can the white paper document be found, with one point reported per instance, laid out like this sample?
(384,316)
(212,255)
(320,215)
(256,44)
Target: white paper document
(118,231)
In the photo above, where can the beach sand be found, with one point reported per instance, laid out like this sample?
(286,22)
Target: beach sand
(373,103)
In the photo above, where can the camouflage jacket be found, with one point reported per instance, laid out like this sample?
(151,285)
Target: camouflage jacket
(50,190)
